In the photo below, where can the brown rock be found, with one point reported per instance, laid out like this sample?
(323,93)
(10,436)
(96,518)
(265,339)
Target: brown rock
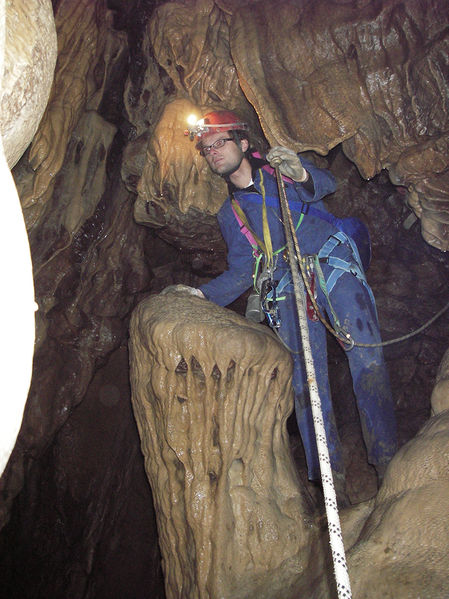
(211,395)
(29,62)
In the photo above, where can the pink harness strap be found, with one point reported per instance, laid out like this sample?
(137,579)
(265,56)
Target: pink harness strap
(243,228)
(246,232)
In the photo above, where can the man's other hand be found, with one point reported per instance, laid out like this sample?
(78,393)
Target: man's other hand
(183,289)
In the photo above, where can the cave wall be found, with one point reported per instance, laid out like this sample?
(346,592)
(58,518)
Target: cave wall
(67,534)
(367,75)
(109,157)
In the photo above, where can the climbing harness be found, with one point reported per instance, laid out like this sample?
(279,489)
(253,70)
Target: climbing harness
(263,252)
(263,301)
(258,307)
(339,268)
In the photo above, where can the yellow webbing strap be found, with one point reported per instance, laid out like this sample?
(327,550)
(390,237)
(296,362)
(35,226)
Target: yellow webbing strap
(256,271)
(266,229)
(267,247)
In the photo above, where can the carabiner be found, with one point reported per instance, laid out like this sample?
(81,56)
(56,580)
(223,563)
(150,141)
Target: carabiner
(349,342)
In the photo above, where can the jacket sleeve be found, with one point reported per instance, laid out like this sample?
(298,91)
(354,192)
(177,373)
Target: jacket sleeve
(238,277)
(323,183)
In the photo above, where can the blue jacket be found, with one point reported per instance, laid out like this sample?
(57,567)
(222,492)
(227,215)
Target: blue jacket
(312,233)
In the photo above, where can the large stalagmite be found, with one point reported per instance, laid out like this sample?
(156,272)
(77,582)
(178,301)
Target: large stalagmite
(211,394)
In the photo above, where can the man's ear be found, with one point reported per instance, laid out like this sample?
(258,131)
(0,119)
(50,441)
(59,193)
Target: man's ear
(244,143)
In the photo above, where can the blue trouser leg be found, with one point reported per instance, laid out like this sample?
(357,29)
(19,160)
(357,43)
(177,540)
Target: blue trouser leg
(289,332)
(357,314)
(352,303)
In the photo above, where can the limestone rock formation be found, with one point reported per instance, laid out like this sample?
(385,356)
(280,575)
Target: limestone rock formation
(318,75)
(81,58)
(30,57)
(403,548)
(440,394)
(71,211)
(211,394)
(176,191)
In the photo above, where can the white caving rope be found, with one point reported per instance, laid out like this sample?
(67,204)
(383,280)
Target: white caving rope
(330,499)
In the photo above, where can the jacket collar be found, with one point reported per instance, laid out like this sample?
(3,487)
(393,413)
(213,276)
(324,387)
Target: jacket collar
(256,164)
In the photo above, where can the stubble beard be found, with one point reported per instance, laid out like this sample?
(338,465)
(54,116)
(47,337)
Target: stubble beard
(228,171)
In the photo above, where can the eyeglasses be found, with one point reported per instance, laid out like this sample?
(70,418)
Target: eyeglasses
(205,150)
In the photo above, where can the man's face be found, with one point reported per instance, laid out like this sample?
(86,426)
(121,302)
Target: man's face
(227,159)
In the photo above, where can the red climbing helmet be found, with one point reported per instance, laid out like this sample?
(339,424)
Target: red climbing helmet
(216,122)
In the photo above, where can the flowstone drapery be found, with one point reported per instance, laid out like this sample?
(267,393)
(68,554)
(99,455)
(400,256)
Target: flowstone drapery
(211,395)
(367,75)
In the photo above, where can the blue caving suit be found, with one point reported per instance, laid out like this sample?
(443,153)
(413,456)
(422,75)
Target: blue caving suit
(351,300)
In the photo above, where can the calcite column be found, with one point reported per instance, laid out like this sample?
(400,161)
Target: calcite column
(211,395)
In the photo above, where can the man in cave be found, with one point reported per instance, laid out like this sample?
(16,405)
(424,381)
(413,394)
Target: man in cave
(334,265)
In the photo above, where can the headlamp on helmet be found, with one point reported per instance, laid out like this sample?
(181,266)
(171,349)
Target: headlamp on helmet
(215,122)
